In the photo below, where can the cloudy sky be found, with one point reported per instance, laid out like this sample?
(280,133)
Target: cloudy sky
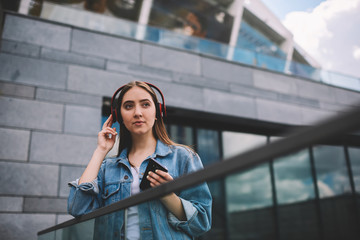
(329,30)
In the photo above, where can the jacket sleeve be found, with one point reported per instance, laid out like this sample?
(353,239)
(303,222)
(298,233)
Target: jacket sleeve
(85,197)
(197,203)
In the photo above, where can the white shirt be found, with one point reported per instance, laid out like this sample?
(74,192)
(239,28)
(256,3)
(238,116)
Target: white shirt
(132,227)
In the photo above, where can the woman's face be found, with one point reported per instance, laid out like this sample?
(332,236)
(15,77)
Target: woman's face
(138,111)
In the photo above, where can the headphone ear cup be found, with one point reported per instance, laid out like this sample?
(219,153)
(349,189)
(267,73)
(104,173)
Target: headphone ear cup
(160,109)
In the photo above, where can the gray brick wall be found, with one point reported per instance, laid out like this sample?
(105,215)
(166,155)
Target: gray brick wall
(53,78)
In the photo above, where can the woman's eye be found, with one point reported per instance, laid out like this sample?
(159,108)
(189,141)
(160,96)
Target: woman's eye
(146,104)
(127,106)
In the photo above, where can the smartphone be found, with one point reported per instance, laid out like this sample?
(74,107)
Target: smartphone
(152,166)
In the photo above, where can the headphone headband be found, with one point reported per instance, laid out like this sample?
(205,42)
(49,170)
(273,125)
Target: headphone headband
(160,107)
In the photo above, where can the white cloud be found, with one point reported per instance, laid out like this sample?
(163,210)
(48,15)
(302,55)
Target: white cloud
(356,52)
(329,33)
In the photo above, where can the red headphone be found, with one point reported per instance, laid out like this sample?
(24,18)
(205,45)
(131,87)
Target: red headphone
(115,110)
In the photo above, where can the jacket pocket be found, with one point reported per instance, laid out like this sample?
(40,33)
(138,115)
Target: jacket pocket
(110,193)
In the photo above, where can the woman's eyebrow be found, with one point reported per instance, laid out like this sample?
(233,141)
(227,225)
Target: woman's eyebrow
(145,100)
(142,100)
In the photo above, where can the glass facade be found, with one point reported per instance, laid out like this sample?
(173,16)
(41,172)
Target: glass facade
(200,26)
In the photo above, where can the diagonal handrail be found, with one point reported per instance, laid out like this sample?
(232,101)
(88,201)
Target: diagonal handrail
(341,124)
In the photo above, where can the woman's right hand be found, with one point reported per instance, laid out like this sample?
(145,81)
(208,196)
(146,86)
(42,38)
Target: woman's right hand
(107,136)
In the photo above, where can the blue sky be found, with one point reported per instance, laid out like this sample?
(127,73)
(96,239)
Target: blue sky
(282,7)
(326,29)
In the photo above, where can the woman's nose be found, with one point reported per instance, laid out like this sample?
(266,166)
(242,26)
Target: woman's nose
(137,112)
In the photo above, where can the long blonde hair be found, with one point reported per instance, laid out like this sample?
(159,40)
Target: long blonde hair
(159,130)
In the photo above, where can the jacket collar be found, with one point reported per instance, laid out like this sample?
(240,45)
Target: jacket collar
(161,150)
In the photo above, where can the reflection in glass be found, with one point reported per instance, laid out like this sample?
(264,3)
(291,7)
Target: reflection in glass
(331,171)
(181,134)
(295,193)
(354,155)
(293,178)
(208,148)
(249,190)
(337,205)
(235,143)
(83,230)
(249,204)
(202,19)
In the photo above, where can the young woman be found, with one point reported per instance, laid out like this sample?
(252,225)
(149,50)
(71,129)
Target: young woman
(182,215)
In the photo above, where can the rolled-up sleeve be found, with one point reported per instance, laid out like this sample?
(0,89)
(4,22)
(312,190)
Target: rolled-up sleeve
(197,204)
(91,187)
(85,197)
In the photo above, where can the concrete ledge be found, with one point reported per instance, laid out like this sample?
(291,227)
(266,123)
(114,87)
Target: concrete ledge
(139,71)
(104,46)
(36,32)
(275,82)
(278,112)
(226,71)
(229,104)
(72,58)
(169,59)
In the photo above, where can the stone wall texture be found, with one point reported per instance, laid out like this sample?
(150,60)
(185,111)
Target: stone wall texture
(52,81)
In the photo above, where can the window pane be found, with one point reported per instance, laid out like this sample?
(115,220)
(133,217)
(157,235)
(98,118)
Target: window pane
(248,190)
(293,178)
(235,143)
(181,134)
(354,154)
(297,215)
(208,148)
(337,205)
(249,204)
(331,171)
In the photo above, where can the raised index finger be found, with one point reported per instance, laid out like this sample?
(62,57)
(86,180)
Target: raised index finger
(108,122)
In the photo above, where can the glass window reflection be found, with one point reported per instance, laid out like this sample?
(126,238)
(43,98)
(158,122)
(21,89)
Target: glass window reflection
(354,155)
(249,190)
(208,148)
(181,134)
(331,171)
(249,205)
(235,143)
(293,178)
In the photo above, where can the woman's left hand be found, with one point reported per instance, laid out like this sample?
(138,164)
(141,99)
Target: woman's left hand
(171,201)
(159,177)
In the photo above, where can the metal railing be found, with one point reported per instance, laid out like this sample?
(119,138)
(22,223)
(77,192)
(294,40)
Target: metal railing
(329,129)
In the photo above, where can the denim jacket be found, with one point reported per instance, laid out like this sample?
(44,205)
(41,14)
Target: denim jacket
(156,222)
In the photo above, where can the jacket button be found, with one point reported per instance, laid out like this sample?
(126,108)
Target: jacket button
(126,177)
(107,192)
